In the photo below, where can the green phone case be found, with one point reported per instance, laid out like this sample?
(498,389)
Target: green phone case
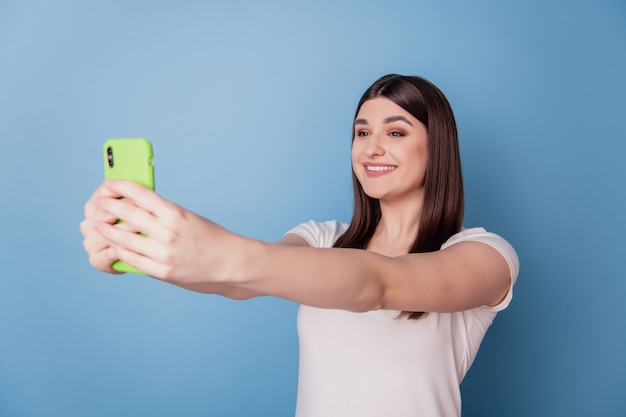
(129,159)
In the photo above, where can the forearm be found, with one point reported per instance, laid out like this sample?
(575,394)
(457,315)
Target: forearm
(348,279)
(221,289)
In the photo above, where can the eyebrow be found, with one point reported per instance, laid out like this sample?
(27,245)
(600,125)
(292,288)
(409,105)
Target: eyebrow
(388,120)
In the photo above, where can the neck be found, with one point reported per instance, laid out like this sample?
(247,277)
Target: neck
(398,226)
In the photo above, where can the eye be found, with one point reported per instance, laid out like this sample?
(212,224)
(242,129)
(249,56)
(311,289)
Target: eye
(397,133)
(361,133)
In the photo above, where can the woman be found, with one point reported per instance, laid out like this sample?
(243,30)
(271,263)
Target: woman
(394,305)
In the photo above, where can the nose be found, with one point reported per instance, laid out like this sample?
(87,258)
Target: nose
(374,146)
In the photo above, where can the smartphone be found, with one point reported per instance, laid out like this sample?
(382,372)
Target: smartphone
(129,159)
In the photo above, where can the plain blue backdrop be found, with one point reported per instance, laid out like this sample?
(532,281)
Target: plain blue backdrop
(249,106)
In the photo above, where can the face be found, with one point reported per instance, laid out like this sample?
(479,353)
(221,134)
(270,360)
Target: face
(389,151)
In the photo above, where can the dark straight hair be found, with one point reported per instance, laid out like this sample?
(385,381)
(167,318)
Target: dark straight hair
(442,211)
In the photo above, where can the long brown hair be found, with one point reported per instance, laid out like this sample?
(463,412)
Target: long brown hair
(442,211)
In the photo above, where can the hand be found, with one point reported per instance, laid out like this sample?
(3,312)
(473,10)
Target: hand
(177,245)
(101,255)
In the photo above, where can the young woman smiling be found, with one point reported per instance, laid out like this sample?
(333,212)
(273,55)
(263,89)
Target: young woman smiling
(394,305)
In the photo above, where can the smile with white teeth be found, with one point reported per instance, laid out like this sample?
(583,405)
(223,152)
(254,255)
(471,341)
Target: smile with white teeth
(379,168)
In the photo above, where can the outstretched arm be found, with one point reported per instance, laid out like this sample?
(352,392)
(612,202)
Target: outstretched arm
(102,254)
(463,276)
(187,250)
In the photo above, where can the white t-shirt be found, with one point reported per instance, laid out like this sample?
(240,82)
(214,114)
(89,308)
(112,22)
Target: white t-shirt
(374,365)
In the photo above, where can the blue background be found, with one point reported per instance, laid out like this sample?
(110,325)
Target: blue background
(249,107)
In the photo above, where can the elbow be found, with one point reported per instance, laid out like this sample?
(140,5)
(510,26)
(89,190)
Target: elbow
(370,298)
(370,305)
(240,294)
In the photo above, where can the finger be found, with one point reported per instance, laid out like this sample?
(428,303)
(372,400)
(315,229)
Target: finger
(103,259)
(100,215)
(144,253)
(151,202)
(143,263)
(127,227)
(95,242)
(140,195)
(134,242)
(134,218)
(103,216)
(101,191)
(87,225)
(101,254)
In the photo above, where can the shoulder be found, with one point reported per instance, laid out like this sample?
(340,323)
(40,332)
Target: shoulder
(320,234)
(479,234)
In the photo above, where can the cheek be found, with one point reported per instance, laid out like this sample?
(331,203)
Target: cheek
(354,154)
(421,165)
(357,167)
(419,152)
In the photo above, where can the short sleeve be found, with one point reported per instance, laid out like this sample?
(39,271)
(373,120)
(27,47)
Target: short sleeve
(479,234)
(320,234)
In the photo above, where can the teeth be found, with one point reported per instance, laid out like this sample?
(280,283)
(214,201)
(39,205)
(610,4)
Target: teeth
(380,168)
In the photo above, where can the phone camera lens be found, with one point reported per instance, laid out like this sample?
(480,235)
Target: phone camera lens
(110,156)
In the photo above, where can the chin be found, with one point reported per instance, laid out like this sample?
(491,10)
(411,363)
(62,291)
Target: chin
(375,194)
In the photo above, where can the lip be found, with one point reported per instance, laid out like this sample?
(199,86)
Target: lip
(375,170)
